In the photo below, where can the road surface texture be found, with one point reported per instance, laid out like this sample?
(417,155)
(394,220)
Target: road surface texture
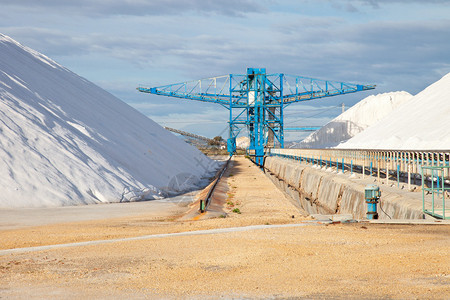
(334,261)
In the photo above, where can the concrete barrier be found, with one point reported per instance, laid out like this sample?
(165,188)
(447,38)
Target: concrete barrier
(320,192)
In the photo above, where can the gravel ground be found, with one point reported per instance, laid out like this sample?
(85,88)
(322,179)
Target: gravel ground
(339,261)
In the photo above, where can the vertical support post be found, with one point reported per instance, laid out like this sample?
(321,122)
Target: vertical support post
(281,133)
(387,169)
(438,184)
(202,206)
(423,192)
(422,163)
(378,167)
(443,194)
(432,191)
(409,171)
(351,167)
(364,166)
(230,143)
(416,166)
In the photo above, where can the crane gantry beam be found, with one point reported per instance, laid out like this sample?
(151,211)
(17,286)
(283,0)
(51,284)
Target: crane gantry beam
(216,89)
(256,101)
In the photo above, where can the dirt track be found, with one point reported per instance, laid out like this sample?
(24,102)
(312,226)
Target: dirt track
(315,261)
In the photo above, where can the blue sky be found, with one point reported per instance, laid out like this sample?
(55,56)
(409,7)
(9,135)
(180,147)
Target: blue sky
(396,44)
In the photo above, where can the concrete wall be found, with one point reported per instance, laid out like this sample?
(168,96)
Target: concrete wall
(321,192)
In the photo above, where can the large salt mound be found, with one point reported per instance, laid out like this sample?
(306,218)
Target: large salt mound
(242,142)
(65,141)
(353,121)
(422,123)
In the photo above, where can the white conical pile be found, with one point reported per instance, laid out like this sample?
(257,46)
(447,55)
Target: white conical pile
(422,123)
(356,119)
(65,141)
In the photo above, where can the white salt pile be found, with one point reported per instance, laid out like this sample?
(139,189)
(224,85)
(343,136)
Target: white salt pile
(243,142)
(65,141)
(422,123)
(356,119)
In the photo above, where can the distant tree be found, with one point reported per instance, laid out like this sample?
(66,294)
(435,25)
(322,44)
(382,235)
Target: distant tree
(216,141)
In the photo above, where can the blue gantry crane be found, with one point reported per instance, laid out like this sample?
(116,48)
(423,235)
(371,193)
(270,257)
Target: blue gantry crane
(256,101)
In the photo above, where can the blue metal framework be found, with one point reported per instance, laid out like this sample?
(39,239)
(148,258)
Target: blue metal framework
(256,101)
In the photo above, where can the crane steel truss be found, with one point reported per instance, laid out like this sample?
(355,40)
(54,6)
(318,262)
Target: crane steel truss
(256,101)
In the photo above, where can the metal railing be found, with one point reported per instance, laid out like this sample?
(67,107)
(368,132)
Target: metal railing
(438,192)
(400,165)
(204,203)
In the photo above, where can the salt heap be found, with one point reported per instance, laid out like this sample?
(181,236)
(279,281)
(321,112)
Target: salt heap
(422,123)
(65,141)
(356,119)
(242,142)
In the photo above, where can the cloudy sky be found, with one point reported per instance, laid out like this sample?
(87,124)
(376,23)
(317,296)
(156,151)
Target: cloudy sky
(119,44)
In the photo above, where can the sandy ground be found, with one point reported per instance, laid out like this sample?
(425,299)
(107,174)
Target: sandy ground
(338,261)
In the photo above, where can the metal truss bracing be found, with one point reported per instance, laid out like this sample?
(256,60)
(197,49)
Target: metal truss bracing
(256,101)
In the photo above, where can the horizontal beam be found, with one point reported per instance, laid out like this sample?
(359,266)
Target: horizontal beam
(317,94)
(281,88)
(220,99)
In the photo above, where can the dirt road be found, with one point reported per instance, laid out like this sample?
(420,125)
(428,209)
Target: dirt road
(340,261)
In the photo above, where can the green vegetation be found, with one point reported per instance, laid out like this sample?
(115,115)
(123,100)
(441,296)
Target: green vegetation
(236,210)
(216,141)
